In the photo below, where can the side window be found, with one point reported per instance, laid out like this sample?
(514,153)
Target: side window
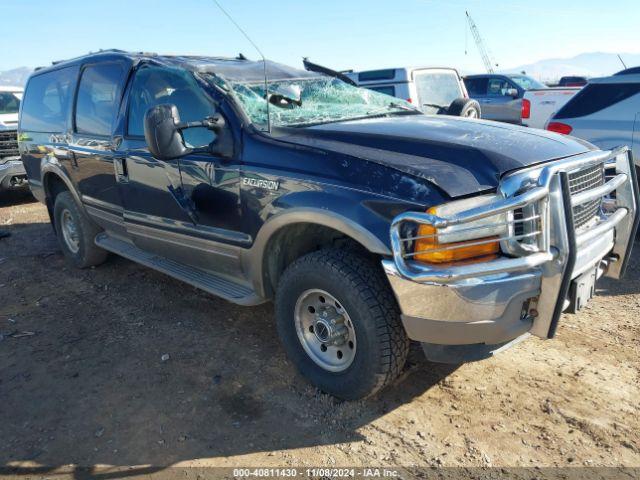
(437,88)
(597,96)
(9,102)
(98,98)
(389,90)
(156,85)
(498,86)
(476,86)
(45,104)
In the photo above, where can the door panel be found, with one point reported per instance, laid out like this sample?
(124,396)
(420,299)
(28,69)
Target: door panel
(498,106)
(212,187)
(93,170)
(151,190)
(187,209)
(93,143)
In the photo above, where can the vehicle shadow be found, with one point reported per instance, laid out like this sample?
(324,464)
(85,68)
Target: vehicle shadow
(630,284)
(120,365)
(16,197)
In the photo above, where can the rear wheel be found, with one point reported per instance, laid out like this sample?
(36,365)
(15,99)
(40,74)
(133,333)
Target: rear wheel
(76,233)
(340,324)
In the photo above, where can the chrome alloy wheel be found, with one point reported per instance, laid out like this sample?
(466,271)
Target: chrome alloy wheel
(325,330)
(471,113)
(69,231)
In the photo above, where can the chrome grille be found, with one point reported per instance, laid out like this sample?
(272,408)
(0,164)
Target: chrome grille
(8,143)
(582,180)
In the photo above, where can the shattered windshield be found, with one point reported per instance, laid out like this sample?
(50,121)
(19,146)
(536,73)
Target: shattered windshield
(308,101)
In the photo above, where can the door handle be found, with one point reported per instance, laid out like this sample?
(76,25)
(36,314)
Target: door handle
(120,167)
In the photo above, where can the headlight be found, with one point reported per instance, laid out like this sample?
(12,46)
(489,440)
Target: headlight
(470,240)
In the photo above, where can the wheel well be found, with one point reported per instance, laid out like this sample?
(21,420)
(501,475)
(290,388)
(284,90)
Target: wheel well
(53,185)
(293,241)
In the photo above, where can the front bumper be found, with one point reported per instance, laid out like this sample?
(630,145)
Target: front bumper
(12,174)
(526,289)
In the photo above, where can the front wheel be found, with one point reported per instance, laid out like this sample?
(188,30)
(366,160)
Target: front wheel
(340,324)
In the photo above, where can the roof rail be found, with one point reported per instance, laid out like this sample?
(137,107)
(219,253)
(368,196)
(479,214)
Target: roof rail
(106,50)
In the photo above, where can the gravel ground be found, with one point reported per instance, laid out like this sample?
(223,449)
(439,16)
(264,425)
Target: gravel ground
(122,366)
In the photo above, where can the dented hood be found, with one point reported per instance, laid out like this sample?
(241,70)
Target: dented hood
(460,156)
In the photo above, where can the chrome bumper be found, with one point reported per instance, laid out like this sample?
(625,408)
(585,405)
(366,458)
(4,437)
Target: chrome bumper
(525,289)
(12,174)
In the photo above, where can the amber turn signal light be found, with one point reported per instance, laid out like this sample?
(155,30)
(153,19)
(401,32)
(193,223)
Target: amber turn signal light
(432,251)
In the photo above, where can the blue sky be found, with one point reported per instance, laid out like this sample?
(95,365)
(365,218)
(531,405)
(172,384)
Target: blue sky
(339,33)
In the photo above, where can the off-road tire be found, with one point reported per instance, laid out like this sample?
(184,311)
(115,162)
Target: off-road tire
(88,254)
(362,289)
(464,107)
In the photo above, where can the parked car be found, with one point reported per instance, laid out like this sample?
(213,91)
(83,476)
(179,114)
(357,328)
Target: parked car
(500,96)
(606,113)
(572,81)
(435,90)
(367,222)
(539,105)
(12,174)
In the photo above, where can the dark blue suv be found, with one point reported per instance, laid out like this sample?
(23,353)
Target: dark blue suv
(368,223)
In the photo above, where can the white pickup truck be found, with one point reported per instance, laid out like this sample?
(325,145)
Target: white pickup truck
(538,105)
(12,173)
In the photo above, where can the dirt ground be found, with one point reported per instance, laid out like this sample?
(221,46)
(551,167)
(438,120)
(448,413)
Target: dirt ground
(82,380)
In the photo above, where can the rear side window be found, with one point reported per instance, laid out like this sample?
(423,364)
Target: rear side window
(437,89)
(45,106)
(98,98)
(388,74)
(476,86)
(388,90)
(595,97)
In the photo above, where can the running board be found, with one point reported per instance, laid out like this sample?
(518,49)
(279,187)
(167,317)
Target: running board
(209,282)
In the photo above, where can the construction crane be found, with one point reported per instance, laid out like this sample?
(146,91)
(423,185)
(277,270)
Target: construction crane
(488,64)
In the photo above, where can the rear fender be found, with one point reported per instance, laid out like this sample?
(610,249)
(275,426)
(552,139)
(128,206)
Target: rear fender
(50,168)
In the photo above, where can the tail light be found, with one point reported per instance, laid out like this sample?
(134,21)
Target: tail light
(526,108)
(409,100)
(559,127)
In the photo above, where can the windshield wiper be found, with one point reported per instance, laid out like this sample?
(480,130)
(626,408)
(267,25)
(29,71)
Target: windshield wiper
(435,105)
(314,67)
(403,107)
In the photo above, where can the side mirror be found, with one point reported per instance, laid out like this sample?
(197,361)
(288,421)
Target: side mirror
(162,132)
(512,92)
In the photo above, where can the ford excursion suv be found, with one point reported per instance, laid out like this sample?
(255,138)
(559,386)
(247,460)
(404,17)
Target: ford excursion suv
(368,223)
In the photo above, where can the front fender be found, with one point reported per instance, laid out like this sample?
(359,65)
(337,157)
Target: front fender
(363,221)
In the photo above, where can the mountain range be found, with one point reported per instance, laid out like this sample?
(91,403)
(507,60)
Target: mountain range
(596,64)
(15,77)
